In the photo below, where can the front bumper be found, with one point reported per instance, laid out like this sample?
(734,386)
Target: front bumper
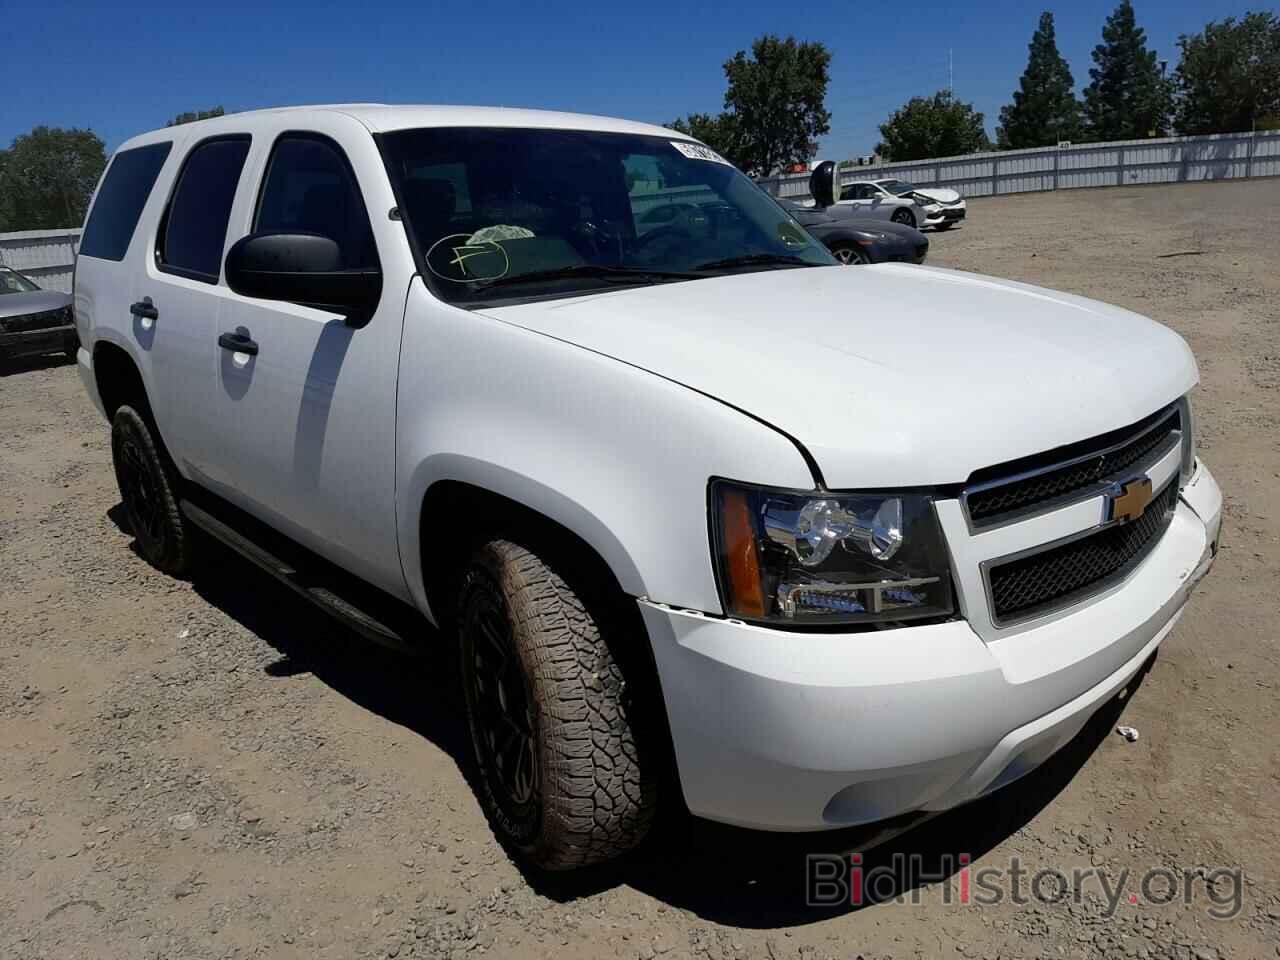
(899,251)
(26,343)
(792,731)
(952,214)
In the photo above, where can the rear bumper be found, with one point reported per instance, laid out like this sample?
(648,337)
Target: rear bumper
(787,731)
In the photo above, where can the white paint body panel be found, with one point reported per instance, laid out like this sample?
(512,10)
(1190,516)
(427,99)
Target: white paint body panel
(610,413)
(615,454)
(891,375)
(782,732)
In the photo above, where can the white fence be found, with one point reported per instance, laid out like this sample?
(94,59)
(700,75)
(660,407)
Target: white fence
(1222,156)
(46,256)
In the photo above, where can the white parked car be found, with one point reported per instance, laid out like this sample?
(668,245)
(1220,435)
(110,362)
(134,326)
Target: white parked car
(904,202)
(684,494)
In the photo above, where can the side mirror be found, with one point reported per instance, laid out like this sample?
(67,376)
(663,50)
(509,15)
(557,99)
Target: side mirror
(303,268)
(824,183)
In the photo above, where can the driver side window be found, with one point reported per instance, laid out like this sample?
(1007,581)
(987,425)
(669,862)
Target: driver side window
(309,188)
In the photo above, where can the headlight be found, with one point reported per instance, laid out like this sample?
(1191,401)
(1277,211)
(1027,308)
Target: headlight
(806,558)
(1188,425)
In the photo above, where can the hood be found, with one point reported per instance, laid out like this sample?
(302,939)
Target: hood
(889,375)
(37,301)
(941,194)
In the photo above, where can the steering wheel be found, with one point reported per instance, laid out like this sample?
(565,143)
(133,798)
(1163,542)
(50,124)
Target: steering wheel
(669,232)
(593,236)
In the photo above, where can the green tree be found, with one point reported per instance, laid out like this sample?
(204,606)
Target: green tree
(6,195)
(1129,97)
(49,175)
(774,106)
(1229,76)
(777,97)
(719,132)
(1045,110)
(937,126)
(193,115)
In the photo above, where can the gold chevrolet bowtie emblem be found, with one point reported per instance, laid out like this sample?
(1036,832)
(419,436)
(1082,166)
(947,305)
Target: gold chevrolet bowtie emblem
(1130,499)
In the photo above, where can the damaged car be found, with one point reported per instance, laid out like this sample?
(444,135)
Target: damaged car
(33,321)
(904,202)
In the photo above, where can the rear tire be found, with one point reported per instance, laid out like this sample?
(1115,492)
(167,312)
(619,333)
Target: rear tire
(147,487)
(904,216)
(850,254)
(550,713)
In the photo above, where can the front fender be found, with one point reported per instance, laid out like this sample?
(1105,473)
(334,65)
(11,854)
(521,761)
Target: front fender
(619,456)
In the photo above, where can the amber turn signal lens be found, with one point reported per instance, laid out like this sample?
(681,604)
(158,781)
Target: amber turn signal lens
(746,596)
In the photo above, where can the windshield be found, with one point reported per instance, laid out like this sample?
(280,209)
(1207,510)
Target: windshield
(13,282)
(898,187)
(497,213)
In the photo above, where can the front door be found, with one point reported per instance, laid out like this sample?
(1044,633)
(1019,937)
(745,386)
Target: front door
(308,401)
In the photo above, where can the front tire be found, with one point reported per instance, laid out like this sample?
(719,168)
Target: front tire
(560,774)
(904,216)
(850,254)
(147,487)
(945,225)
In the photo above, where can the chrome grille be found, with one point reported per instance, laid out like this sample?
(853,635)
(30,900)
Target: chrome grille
(1056,576)
(1005,492)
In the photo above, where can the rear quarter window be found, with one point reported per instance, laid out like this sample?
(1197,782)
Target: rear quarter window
(120,200)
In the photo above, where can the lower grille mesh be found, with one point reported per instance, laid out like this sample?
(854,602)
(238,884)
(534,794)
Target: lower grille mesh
(1054,577)
(45,320)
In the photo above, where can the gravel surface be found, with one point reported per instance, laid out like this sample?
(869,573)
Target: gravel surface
(209,769)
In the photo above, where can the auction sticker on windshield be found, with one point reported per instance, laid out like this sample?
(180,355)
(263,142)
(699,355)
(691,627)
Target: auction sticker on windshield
(696,151)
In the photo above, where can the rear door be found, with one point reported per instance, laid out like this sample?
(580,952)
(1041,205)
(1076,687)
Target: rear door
(110,248)
(861,196)
(307,421)
(183,282)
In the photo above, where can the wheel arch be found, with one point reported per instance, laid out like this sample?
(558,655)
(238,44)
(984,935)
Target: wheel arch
(463,499)
(564,534)
(118,379)
(909,210)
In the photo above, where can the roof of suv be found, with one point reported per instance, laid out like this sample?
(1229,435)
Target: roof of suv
(381,117)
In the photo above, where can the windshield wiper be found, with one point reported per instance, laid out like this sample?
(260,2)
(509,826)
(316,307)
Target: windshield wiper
(751,259)
(593,270)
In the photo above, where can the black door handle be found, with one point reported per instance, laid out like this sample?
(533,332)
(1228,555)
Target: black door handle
(239,342)
(145,309)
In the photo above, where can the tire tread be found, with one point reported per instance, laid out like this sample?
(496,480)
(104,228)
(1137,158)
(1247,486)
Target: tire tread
(598,801)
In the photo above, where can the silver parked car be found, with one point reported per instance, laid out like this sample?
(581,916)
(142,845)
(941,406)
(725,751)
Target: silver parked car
(33,321)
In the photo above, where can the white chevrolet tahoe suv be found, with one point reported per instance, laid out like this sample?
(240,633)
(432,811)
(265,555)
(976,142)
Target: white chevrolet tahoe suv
(703,511)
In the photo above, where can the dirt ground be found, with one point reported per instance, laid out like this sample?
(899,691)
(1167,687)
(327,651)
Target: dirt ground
(209,769)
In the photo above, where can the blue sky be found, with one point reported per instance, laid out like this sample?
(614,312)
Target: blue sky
(122,68)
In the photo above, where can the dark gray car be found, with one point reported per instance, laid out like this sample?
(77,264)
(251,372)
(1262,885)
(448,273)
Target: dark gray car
(33,321)
(857,240)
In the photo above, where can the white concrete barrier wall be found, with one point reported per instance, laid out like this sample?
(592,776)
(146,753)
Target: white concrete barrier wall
(46,256)
(1223,156)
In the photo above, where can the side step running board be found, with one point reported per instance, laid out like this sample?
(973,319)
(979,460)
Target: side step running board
(309,585)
